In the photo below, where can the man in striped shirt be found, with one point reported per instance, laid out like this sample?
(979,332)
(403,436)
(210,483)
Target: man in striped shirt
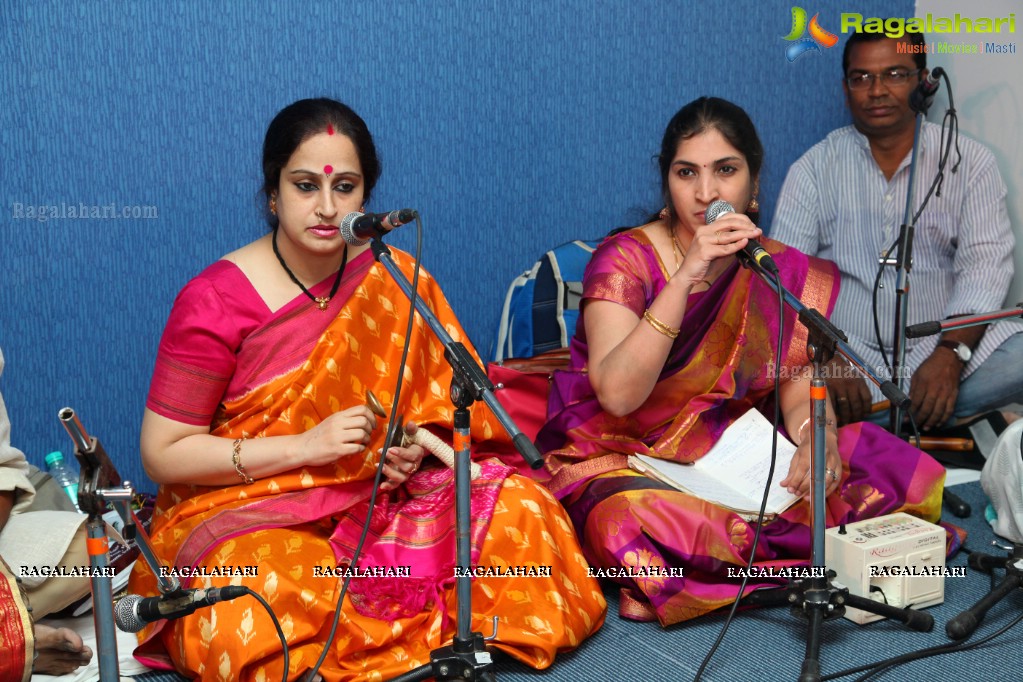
(845,199)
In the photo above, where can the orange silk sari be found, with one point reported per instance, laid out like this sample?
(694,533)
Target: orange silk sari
(289,527)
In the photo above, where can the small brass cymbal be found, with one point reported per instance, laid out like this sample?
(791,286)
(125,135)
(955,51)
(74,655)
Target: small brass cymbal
(374,404)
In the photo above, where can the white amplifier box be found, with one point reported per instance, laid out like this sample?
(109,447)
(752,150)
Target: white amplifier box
(898,559)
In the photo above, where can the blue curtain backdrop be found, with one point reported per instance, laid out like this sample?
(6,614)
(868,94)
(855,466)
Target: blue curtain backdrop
(511,126)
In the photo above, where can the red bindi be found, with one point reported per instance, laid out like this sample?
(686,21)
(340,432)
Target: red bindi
(330,129)
(328,169)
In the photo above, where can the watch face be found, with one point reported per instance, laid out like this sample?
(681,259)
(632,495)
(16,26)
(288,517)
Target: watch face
(964,352)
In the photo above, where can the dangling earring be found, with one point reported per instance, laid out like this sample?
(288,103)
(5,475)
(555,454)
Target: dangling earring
(664,214)
(273,205)
(754,205)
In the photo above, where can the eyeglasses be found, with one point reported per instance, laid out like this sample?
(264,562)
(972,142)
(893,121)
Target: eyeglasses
(862,81)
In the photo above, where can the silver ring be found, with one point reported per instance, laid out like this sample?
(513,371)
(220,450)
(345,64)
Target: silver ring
(831,473)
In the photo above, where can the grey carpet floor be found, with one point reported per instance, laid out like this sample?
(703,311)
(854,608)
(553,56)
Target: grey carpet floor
(768,644)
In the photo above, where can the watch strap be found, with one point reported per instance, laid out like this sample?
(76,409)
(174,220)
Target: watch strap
(953,346)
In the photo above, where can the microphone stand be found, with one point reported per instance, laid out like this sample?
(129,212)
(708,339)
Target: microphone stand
(963,625)
(938,326)
(468,657)
(99,484)
(816,598)
(903,263)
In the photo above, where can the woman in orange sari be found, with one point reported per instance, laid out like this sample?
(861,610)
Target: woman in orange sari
(258,432)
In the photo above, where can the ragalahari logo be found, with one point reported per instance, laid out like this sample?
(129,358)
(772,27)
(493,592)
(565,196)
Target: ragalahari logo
(800,45)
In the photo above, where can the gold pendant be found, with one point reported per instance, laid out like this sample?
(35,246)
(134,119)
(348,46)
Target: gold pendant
(322,302)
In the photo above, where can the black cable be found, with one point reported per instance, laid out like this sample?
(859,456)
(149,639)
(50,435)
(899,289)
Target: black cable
(391,428)
(944,149)
(277,626)
(767,487)
(874,669)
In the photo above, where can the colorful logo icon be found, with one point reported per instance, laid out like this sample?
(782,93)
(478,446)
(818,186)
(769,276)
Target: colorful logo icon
(800,45)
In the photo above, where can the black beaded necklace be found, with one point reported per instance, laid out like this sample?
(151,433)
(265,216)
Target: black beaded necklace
(320,301)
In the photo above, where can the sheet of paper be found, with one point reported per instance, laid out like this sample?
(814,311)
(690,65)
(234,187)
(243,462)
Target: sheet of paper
(733,473)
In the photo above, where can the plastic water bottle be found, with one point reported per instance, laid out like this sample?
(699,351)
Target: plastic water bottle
(63,475)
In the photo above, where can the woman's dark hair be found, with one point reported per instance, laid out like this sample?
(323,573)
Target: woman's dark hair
(298,122)
(699,116)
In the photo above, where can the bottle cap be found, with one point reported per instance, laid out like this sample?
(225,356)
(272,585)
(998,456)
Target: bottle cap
(54,458)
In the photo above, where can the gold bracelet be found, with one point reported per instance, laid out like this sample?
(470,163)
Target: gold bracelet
(236,457)
(828,422)
(660,326)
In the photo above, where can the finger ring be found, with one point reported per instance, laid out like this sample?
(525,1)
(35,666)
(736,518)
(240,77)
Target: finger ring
(843,400)
(831,473)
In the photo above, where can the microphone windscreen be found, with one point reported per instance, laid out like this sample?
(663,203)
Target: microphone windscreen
(347,229)
(124,614)
(716,209)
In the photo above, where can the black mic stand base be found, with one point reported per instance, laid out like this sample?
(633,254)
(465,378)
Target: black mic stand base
(459,661)
(817,599)
(963,625)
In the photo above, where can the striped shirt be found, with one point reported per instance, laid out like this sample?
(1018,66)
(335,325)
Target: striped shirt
(837,204)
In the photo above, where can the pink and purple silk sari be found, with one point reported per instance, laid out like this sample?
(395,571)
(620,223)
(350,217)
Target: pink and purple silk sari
(718,369)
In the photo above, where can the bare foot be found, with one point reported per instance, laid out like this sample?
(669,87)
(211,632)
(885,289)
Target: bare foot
(61,651)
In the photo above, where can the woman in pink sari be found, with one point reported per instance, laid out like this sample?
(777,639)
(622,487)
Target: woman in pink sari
(257,430)
(675,342)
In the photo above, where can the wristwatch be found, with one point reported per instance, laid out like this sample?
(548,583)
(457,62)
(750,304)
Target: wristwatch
(961,350)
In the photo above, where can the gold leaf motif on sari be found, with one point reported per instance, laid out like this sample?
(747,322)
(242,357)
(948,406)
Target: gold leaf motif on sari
(246,629)
(332,368)
(551,542)
(385,304)
(520,539)
(645,560)
(224,670)
(287,625)
(371,325)
(519,596)
(436,389)
(556,599)
(539,625)
(354,347)
(533,507)
(208,628)
(225,552)
(380,365)
(270,586)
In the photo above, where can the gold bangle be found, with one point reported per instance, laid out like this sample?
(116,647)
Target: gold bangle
(660,326)
(828,422)
(236,457)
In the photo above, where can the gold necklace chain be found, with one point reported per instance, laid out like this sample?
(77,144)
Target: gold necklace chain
(676,247)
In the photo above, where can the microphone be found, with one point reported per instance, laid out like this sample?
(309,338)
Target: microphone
(753,251)
(921,98)
(134,612)
(358,228)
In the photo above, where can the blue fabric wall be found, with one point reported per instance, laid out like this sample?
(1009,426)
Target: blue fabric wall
(511,125)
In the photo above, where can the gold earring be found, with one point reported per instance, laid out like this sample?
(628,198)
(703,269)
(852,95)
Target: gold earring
(664,214)
(754,205)
(273,205)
